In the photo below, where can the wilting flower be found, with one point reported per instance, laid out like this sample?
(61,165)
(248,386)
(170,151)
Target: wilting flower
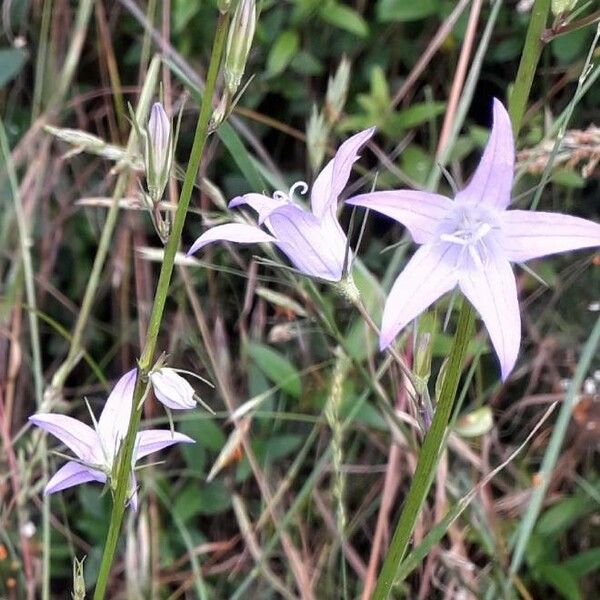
(312,239)
(96,449)
(159,151)
(471,241)
(172,389)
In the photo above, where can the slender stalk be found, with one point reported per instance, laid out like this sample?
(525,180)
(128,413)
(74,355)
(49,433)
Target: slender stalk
(529,60)
(428,457)
(145,362)
(34,333)
(75,349)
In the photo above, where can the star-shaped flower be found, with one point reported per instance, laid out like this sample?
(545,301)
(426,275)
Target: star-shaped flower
(471,241)
(96,449)
(312,239)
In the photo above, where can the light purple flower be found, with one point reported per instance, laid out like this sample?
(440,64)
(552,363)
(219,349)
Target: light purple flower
(312,239)
(471,241)
(172,389)
(96,449)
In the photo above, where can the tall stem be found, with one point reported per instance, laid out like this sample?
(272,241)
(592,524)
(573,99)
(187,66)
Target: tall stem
(145,362)
(428,457)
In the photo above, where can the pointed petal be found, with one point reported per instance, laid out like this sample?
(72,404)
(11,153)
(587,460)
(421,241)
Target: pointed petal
(420,212)
(231,232)
(71,474)
(262,204)
(527,234)
(429,274)
(74,434)
(492,182)
(314,247)
(114,420)
(154,440)
(492,290)
(333,178)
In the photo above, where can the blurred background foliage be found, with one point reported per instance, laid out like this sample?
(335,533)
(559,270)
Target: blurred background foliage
(188,540)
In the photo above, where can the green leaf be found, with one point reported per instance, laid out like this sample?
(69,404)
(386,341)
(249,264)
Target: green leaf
(561,580)
(12,61)
(276,367)
(562,515)
(205,499)
(345,18)
(282,52)
(405,10)
(418,113)
(583,563)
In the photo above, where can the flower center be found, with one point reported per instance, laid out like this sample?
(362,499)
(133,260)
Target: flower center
(468,228)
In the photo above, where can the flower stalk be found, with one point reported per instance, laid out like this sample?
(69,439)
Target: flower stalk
(145,361)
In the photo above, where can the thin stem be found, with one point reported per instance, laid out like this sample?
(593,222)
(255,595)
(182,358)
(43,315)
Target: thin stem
(529,60)
(145,362)
(428,457)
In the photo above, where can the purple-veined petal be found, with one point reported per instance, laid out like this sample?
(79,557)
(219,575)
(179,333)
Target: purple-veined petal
(429,274)
(262,204)
(313,246)
(115,416)
(420,212)
(528,234)
(492,290)
(172,390)
(154,440)
(240,233)
(492,182)
(71,474)
(77,436)
(333,178)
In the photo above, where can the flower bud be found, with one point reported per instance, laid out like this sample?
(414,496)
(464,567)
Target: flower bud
(172,389)
(422,361)
(78,592)
(560,7)
(337,92)
(159,151)
(224,6)
(317,133)
(239,42)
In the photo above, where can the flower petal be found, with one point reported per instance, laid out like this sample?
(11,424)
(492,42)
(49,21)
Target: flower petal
(240,233)
(172,389)
(333,178)
(420,212)
(528,234)
(114,419)
(492,290)
(314,246)
(71,474)
(154,440)
(74,434)
(262,204)
(492,182)
(430,273)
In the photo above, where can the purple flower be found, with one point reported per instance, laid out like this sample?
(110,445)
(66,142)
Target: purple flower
(96,449)
(471,241)
(312,240)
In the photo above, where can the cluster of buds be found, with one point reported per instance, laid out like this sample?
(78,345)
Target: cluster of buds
(321,123)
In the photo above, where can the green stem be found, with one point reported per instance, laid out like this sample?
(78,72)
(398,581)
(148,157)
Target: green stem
(428,457)
(529,60)
(162,289)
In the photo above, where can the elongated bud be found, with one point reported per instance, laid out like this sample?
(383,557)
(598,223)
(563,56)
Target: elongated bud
(172,390)
(317,133)
(159,151)
(337,92)
(78,592)
(224,6)
(560,7)
(239,42)
(422,361)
